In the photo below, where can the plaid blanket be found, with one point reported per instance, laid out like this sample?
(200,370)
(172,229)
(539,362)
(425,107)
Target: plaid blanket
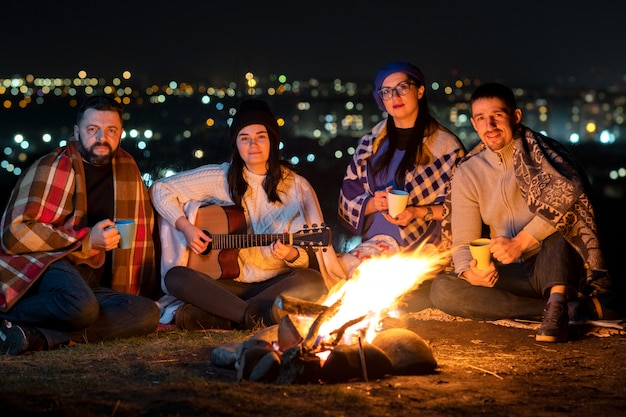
(555,188)
(45,220)
(426,183)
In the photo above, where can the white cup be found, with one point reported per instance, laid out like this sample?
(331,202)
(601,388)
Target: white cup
(127,229)
(396,201)
(480,251)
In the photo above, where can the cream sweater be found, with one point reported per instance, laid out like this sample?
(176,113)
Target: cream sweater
(208,184)
(484,189)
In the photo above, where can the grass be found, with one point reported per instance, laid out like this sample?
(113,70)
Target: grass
(160,357)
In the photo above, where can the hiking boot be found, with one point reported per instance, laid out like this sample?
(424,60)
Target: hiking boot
(13,340)
(554,328)
(190,317)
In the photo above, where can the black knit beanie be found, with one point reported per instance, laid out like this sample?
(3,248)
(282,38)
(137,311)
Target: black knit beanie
(253,112)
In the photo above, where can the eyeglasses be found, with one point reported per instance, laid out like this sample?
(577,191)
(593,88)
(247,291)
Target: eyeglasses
(402,89)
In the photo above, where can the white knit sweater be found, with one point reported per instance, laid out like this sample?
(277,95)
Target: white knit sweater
(208,184)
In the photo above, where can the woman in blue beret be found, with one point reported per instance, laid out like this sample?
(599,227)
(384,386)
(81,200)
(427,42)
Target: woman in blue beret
(408,150)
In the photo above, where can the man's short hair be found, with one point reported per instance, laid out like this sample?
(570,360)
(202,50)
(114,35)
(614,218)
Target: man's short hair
(102,103)
(495,90)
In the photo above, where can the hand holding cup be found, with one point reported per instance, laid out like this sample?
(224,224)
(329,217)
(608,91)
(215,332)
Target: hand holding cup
(481,252)
(396,201)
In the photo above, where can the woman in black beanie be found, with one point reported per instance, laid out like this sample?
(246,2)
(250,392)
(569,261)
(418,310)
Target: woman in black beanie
(274,200)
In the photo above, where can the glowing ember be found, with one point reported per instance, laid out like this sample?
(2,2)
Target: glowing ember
(375,288)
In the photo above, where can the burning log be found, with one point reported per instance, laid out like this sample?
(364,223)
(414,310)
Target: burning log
(292,330)
(340,331)
(293,305)
(310,340)
(290,324)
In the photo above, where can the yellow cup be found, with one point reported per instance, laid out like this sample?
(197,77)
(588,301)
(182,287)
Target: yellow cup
(480,251)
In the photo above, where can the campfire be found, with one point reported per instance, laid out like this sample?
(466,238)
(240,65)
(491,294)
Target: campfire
(346,337)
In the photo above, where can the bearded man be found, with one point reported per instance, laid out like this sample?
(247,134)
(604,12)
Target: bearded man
(63,278)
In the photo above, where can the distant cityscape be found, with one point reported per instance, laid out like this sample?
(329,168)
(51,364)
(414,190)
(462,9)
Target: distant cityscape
(178,125)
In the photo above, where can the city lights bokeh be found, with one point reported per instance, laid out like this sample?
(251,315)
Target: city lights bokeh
(178,125)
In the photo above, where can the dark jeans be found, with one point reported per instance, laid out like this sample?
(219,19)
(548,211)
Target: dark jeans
(521,290)
(63,306)
(230,299)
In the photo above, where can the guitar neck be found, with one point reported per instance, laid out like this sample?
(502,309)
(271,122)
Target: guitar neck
(239,241)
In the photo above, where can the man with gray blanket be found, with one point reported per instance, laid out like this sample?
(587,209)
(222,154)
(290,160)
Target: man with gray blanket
(527,194)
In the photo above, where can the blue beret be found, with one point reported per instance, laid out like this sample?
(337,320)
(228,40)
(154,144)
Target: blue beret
(405,67)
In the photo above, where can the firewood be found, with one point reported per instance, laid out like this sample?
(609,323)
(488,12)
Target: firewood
(292,329)
(309,341)
(340,331)
(293,305)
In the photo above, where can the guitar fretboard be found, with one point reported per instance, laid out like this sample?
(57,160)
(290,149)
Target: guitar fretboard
(247,241)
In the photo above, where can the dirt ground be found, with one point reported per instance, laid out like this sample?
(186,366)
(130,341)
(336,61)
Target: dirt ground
(483,369)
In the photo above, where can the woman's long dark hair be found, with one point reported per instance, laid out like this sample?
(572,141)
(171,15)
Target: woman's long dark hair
(237,185)
(425,125)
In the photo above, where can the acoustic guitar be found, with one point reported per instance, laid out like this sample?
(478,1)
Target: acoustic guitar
(228,230)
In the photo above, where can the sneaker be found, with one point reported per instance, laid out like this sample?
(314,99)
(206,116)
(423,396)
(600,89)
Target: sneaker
(13,339)
(554,328)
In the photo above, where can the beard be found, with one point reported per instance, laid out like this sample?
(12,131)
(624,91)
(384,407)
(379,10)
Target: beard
(93,158)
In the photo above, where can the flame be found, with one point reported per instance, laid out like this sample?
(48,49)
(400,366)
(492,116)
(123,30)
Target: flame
(374,289)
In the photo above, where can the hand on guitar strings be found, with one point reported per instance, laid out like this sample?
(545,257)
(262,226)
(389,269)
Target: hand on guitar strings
(282,251)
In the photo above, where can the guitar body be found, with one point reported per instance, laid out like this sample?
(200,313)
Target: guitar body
(227,227)
(219,263)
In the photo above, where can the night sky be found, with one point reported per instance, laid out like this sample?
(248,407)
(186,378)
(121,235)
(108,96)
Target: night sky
(527,43)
